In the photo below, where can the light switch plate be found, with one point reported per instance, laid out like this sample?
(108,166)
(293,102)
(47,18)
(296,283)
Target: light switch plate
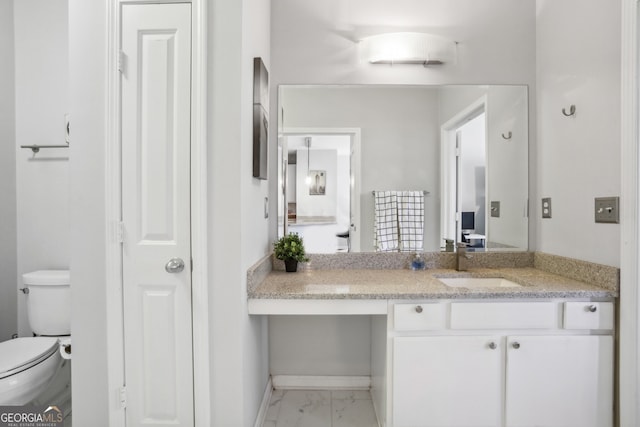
(546,207)
(495,209)
(607,210)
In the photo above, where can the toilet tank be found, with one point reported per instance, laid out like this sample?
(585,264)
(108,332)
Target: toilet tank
(48,301)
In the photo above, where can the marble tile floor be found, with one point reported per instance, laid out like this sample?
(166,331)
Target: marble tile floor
(320,408)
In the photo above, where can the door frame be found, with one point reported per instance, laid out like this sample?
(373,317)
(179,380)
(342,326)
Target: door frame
(355,135)
(113,215)
(449,194)
(628,383)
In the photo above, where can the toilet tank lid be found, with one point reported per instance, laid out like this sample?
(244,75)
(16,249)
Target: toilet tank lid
(47,277)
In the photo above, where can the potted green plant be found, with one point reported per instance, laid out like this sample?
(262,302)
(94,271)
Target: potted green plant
(290,249)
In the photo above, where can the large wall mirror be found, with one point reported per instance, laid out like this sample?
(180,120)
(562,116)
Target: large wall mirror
(403,168)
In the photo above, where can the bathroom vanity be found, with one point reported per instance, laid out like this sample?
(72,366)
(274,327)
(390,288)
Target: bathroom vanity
(511,363)
(536,350)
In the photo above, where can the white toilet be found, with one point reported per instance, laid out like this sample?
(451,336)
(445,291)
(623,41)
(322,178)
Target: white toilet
(27,365)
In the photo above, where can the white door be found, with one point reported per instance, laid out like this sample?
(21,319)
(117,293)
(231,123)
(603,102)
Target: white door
(156,123)
(559,381)
(447,381)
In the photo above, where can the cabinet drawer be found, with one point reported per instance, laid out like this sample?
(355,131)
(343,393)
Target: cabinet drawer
(416,317)
(507,315)
(588,315)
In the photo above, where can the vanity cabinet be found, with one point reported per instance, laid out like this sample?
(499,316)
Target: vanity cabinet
(520,364)
(559,381)
(446,381)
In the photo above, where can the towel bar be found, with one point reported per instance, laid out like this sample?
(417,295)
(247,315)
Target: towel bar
(424,191)
(36,148)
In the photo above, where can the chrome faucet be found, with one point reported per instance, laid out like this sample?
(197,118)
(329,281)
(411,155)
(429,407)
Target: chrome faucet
(461,256)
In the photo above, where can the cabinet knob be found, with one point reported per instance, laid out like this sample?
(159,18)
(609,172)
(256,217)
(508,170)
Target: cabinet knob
(515,345)
(493,345)
(418,309)
(592,308)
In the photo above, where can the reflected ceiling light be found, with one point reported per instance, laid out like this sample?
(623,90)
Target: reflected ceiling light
(408,48)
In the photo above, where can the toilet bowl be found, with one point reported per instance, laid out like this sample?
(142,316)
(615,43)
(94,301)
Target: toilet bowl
(27,365)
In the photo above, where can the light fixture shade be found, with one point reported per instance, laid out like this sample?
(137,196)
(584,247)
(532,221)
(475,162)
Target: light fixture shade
(408,48)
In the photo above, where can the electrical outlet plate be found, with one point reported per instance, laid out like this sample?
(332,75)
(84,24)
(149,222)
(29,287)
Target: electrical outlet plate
(546,207)
(495,209)
(607,210)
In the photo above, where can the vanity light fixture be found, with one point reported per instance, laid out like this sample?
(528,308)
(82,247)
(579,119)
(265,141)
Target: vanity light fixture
(408,48)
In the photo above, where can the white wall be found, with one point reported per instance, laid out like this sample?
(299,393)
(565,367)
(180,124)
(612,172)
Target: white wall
(8,242)
(319,349)
(87,101)
(312,43)
(41,64)
(238,231)
(578,62)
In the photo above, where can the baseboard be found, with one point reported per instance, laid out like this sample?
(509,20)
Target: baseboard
(264,405)
(312,382)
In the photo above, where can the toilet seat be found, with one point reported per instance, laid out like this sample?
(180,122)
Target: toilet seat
(20,354)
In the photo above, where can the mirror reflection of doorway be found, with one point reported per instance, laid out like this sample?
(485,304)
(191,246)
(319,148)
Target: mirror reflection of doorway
(471,188)
(320,194)
(464,186)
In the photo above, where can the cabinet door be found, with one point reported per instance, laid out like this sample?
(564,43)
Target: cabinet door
(559,381)
(447,381)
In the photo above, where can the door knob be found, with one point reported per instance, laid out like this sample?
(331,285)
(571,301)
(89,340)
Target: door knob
(174,265)
(516,345)
(493,345)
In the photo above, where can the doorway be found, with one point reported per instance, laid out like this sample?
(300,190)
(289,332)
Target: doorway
(471,179)
(464,184)
(320,181)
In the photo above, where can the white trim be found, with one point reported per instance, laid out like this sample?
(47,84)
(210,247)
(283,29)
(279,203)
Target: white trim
(264,404)
(629,355)
(199,282)
(113,211)
(316,306)
(311,382)
(200,308)
(356,137)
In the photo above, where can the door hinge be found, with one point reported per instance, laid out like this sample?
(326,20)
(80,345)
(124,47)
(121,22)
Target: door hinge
(123,397)
(121,59)
(191,265)
(120,232)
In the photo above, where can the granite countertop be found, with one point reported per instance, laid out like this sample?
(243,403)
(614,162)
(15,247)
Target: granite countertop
(369,284)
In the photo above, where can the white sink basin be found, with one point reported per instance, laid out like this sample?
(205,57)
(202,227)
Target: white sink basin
(478,282)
